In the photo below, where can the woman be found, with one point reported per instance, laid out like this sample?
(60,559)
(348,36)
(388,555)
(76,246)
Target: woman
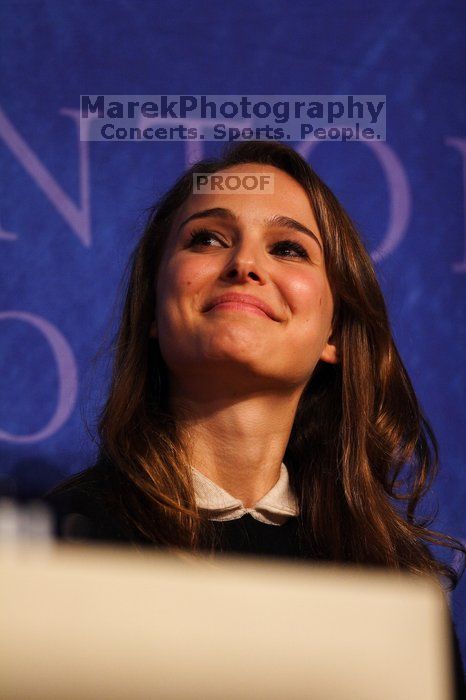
(280,421)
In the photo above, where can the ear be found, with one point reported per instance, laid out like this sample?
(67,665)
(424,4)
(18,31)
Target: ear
(330,352)
(153,329)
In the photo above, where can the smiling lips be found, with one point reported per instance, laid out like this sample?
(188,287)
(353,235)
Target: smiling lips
(242,302)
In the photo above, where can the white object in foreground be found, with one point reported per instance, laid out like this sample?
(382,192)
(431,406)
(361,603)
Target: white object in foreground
(80,622)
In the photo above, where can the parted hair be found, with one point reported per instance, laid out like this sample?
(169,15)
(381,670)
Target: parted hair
(361,454)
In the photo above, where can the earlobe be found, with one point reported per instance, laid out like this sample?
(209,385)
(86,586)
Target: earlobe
(330,352)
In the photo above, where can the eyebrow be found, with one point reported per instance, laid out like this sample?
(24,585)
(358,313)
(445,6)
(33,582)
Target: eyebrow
(227,214)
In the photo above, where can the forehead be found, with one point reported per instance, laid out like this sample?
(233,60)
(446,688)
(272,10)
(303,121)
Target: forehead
(288,198)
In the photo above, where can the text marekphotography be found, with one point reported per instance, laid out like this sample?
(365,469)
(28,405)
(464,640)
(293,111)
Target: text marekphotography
(156,118)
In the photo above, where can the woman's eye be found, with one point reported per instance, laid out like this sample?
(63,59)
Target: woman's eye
(197,237)
(202,236)
(292,245)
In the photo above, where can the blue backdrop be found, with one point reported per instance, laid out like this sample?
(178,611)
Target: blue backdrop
(70,212)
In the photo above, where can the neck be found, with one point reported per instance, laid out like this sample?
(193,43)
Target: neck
(238,444)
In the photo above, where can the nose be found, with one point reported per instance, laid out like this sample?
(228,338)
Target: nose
(244,265)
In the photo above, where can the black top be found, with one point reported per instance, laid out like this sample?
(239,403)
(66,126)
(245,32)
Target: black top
(83,511)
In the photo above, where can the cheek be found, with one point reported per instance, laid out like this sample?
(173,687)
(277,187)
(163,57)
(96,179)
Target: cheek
(183,284)
(172,279)
(309,295)
(195,273)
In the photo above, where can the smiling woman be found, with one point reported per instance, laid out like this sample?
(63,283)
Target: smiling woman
(242,280)
(256,384)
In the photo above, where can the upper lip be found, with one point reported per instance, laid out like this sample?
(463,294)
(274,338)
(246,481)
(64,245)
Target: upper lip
(245,299)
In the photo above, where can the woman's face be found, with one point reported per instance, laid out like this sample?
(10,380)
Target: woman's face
(223,243)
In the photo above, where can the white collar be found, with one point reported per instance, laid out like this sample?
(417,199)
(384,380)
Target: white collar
(274,508)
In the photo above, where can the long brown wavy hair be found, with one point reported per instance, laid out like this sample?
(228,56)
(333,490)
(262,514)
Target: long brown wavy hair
(360,455)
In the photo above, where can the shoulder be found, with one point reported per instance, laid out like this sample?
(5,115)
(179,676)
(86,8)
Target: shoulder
(84,507)
(83,490)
